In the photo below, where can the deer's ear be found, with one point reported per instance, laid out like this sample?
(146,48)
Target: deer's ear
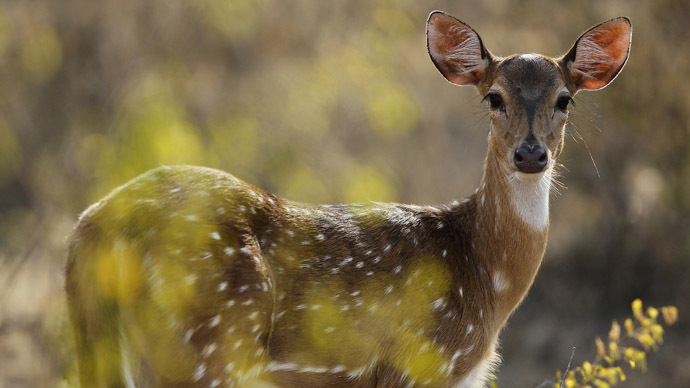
(599,54)
(456,49)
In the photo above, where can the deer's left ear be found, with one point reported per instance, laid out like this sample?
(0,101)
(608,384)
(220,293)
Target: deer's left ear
(599,54)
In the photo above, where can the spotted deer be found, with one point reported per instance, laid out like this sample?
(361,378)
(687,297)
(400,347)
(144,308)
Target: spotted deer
(189,277)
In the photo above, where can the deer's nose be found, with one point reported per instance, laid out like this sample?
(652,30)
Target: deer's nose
(530,157)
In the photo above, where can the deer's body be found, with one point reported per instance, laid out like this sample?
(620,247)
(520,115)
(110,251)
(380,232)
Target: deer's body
(189,277)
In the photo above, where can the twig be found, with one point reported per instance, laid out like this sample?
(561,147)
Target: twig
(572,354)
(550,383)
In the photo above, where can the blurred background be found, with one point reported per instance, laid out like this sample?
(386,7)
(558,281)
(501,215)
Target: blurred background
(337,101)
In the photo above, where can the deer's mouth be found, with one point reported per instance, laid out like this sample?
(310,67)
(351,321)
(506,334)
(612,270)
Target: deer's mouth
(529,177)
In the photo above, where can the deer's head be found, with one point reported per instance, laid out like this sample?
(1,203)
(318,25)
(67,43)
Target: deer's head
(528,95)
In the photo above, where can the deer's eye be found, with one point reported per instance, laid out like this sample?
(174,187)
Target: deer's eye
(495,101)
(562,103)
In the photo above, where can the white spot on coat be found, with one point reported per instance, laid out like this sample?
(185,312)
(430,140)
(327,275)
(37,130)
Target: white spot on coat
(208,350)
(276,366)
(438,303)
(214,321)
(200,371)
(188,335)
(500,282)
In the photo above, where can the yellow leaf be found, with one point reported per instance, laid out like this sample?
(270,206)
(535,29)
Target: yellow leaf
(610,374)
(646,341)
(601,348)
(601,384)
(587,367)
(652,312)
(620,373)
(670,314)
(615,333)
(637,308)
(629,327)
(641,360)
(613,350)
(629,353)
(657,333)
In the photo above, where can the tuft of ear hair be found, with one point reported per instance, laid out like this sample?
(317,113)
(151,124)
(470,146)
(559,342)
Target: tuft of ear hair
(456,49)
(599,54)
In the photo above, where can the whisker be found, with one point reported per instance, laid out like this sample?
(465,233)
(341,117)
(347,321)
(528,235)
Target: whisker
(591,157)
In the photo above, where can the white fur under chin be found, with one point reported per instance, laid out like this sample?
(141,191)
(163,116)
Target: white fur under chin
(531,197)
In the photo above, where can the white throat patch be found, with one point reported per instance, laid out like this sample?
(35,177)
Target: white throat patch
(531,198)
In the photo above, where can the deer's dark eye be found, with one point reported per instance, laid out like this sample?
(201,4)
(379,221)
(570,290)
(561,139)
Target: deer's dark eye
(495,101)
(563,102)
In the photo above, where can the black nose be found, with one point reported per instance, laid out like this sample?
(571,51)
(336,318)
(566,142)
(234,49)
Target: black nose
(530,158)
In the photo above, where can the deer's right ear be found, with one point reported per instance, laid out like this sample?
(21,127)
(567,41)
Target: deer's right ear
(456,49)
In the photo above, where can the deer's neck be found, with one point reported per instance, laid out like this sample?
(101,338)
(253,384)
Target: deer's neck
(511,231)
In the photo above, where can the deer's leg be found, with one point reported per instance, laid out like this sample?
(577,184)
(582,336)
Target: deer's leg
(230,338)
(94,319)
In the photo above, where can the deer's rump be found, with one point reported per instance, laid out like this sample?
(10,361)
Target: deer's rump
(166,285)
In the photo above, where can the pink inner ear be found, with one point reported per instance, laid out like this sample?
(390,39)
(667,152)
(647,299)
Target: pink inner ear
(455,49)
(601,54)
